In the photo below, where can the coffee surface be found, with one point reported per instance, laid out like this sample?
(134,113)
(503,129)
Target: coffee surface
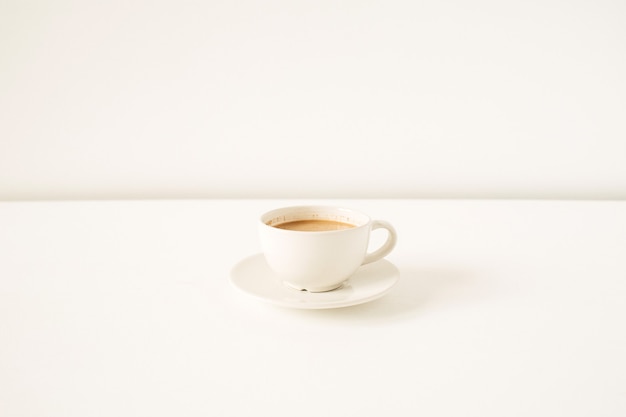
(314,225)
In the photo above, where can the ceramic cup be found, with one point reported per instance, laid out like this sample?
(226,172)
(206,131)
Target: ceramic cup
(319,261)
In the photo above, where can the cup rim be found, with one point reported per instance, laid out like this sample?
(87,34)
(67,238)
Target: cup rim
(265,218)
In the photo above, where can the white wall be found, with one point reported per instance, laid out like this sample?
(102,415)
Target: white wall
(312,98)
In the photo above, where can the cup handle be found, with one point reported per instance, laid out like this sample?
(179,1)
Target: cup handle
(387,246)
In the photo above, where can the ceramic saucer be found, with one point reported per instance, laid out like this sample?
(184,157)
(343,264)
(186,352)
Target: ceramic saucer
(254,277)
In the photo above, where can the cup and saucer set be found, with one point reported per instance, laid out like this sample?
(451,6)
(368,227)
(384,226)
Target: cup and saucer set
(315,257)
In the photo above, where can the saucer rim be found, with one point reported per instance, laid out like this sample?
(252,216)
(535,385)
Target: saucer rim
(319,305)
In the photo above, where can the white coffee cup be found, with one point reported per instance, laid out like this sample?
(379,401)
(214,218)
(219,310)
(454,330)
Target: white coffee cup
(319,261)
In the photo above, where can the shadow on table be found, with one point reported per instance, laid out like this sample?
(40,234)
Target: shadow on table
(419,291)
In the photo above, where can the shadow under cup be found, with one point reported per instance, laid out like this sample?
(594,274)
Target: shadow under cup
(319,261)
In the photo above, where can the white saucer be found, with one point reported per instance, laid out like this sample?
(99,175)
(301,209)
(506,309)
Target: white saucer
(253,277)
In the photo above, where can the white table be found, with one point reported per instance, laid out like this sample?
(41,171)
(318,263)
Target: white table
(504,308)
